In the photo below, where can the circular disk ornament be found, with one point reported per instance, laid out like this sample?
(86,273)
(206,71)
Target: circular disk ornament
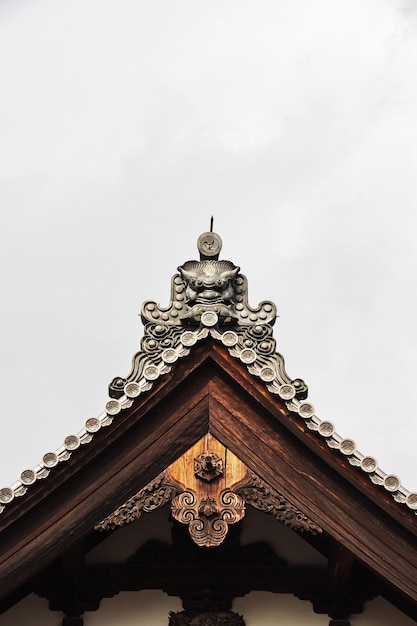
(209,245)
(72,442)
(6,495)
(209,318)
(132,390)
(287,392)
(28,477)
(267,374)
(151,372)
(347,447)
(248,356)
(92,425)
(188,338)
(229,338)
(369,464)
(50,459)
(169,355)
(326,429)
(411,501)
(391,482)
(306,410)
(113,407)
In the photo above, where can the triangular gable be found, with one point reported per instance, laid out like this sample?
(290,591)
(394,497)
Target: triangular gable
(233,385)
(209,489)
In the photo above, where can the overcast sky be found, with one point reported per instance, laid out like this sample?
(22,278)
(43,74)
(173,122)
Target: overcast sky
(125,124)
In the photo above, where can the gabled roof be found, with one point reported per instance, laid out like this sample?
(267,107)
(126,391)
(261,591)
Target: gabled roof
(208,364)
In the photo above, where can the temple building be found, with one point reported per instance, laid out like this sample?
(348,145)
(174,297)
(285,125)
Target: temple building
(208,492)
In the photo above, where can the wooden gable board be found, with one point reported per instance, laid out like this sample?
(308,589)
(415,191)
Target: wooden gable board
(209,392)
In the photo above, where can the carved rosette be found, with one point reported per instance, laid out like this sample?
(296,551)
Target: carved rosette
(208,521)
(208,466)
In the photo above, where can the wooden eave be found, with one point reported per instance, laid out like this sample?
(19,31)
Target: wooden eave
(208,392)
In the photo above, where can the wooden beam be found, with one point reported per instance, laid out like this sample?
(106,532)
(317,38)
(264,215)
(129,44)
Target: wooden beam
(290,467)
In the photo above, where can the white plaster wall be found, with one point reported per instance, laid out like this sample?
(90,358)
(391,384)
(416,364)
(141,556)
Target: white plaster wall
(33,611)
(151,608)
(262,608)
(379,612)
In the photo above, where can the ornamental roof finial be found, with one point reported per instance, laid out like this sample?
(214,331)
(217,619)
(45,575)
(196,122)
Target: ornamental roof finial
(209,297)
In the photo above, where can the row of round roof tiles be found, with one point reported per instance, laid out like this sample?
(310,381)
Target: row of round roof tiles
(248,356)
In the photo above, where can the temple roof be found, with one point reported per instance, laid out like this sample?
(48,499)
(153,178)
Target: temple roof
(207,381)
(209,301)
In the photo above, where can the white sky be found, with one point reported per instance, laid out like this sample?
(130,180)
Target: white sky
(125,124)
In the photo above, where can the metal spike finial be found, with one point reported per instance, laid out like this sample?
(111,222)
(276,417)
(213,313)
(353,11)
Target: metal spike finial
(211,223)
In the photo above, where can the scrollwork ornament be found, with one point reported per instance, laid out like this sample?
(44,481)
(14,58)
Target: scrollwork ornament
(208,522)
(116,387)
(260,338)
(159,337)
(154,495)
(261,496)
(183,507)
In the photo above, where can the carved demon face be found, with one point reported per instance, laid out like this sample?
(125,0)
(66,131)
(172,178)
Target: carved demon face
(209,281)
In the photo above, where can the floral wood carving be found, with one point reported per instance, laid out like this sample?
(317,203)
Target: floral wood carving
(211,618)
(208,522)
(261,496)
(208,487)
(154,495)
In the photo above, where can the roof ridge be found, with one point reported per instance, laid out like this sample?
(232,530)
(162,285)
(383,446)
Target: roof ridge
(209,298)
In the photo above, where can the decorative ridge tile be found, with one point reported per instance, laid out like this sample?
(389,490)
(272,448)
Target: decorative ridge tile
(209,298)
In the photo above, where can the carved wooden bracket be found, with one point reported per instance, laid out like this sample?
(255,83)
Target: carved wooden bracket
(206,505)
(211,618)
(208,522)
(154,495)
